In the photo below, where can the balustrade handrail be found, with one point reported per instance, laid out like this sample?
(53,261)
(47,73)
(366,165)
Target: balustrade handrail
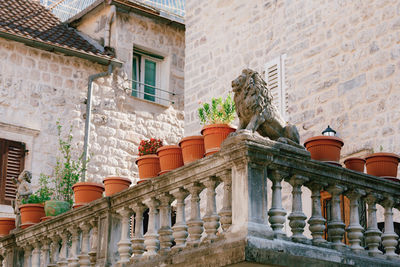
(244,164)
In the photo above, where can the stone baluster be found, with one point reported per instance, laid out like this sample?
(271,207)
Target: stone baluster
(389,237)
(211,218)
(84,259)
(44,253)
(316,222)
(62,259)
(138,240)
(27,255)
(180,228)
(151,241)
(355,230)
(93,242)
(165,231)
(54,247)
(297,217)
(1,258)
(373,234)
(195,224)
(73,260)
(6,257)
(277,213)
(35,260)
(336,225)
(226,211)
(124,243)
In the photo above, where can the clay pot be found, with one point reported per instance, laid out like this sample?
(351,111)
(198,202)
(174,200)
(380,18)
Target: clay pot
(192,148)
(31,214)
(115,184)
(355,164)
(382,164)
(148,165)
(45,218)
(6,225)
(214,135)
(170,158)
(56,207)
(324,148)
(86,192)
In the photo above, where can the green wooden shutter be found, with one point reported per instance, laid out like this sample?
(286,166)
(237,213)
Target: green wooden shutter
(135,77)
(150,79)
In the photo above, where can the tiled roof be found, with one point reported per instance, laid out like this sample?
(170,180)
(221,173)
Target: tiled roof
(30,20)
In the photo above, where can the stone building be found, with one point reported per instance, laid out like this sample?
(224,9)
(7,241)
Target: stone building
(331,63)
(45,68)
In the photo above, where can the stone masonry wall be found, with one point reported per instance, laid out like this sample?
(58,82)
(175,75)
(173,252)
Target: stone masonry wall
(37,88)
(342,64)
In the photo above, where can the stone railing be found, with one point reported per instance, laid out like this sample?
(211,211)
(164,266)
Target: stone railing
(111,231)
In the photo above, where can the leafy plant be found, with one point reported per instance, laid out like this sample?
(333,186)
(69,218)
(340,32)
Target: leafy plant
(147,147)
(219,111)
(42,194)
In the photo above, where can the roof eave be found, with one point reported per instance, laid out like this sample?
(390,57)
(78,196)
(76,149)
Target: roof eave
(55,48)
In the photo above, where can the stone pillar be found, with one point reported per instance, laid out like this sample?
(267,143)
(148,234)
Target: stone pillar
(151,241)
(93,240)
(195,224)
(44,253)
(355,230)
(54,249)
(373,234)
(73,260)
(27,255)
(226,211)
(277,213)
(336,225)
(297,217)
(138,240)
(165,231)
(316,222)
(180,228)
(84,259)
(124,243)
(62,259)
(35,261)
(389,237)
(211,218)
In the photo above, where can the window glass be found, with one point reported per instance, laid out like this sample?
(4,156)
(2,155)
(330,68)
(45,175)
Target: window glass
(135,76)
(149,80)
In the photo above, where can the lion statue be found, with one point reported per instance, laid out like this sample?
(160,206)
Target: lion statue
(256,112)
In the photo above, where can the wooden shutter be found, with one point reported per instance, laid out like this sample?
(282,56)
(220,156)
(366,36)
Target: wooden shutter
(12,156)
(275,78)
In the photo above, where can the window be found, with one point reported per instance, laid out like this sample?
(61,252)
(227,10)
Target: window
(146,75)
(275,78)
(12,159)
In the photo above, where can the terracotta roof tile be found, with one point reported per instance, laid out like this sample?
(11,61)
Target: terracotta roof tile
(31,20)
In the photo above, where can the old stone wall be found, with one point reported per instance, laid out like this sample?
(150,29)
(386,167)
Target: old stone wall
(342,64)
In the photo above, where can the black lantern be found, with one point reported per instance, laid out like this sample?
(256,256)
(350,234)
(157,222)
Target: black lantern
(329,132)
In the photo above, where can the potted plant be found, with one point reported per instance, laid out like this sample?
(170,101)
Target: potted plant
(216,118)
(325,147)
(355,164)
(115,184)
(192,148)
(6,225)
(32,208)
(148,161)
(382,164)
(170,158)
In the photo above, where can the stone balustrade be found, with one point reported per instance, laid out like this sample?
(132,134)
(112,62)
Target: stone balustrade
(135,227)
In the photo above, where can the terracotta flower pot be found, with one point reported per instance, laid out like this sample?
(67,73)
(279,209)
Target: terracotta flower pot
(170,158)
(324,148)
(192,148)
(355,164)
(45,218)
(115,184)
(148,165)
(214,135)
(86,192)
(382,164)
(31,214)
(6,225)
(56,207)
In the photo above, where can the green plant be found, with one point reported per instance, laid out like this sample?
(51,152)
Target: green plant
(42,194)
(219,111)
(147,147)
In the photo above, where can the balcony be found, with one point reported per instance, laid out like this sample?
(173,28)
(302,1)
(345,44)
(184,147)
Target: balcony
(245,229)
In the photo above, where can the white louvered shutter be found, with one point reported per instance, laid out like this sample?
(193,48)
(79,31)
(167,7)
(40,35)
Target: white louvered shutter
(275,78)
(12,164)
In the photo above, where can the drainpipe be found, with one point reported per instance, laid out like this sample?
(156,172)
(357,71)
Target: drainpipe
(88,115)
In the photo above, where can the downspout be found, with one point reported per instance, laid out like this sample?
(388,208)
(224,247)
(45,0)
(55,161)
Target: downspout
(88,115)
